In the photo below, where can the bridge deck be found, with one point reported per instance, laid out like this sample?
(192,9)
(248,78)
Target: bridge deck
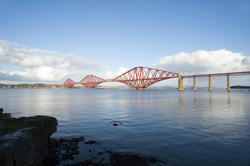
(219,74)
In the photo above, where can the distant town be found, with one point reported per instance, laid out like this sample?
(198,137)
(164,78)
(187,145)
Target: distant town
(37,85)
(51,86)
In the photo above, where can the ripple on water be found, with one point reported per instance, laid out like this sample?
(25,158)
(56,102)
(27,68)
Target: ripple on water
(187,128)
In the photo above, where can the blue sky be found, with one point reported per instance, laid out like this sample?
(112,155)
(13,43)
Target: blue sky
(121,34)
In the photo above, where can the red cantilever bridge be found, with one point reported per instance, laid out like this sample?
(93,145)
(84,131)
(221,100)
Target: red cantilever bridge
(138,77)
(143,77)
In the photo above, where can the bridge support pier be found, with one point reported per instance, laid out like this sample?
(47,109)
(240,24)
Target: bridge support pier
(194,83)
(228,83)
(209,83)
(180,82)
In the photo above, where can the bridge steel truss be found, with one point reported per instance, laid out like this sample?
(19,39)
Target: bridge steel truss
(68,83)
(138,78)
(91,81)
(143,77)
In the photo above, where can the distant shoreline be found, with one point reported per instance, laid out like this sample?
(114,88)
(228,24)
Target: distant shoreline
(240,87)
(60,86)
(31,86)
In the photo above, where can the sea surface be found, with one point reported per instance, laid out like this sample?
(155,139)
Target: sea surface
(184,128)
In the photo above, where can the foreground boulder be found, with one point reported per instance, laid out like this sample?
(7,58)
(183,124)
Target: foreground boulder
(24,141)
(7,115)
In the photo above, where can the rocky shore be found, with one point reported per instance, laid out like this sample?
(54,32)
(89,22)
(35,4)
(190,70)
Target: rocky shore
(63,151)
(26,141)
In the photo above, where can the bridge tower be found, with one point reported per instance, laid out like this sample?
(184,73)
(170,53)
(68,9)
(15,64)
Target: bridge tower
(228,83)
(194,83)
(209,83)
(180,82)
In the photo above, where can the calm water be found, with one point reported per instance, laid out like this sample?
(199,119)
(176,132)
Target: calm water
(185,128)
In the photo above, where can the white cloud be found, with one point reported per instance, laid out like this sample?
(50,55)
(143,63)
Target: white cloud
(203,61)
(43,65)
(42,73)
(8,77)
(110,74)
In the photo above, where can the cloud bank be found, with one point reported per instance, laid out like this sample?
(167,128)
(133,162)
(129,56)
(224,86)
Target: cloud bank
(29,64)
(203,61)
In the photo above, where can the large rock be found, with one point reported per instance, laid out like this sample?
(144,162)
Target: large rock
(24,141)
(7,115)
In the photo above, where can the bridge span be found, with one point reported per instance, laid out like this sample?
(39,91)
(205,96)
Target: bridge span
(209,76)
(143,77)
(138,78)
